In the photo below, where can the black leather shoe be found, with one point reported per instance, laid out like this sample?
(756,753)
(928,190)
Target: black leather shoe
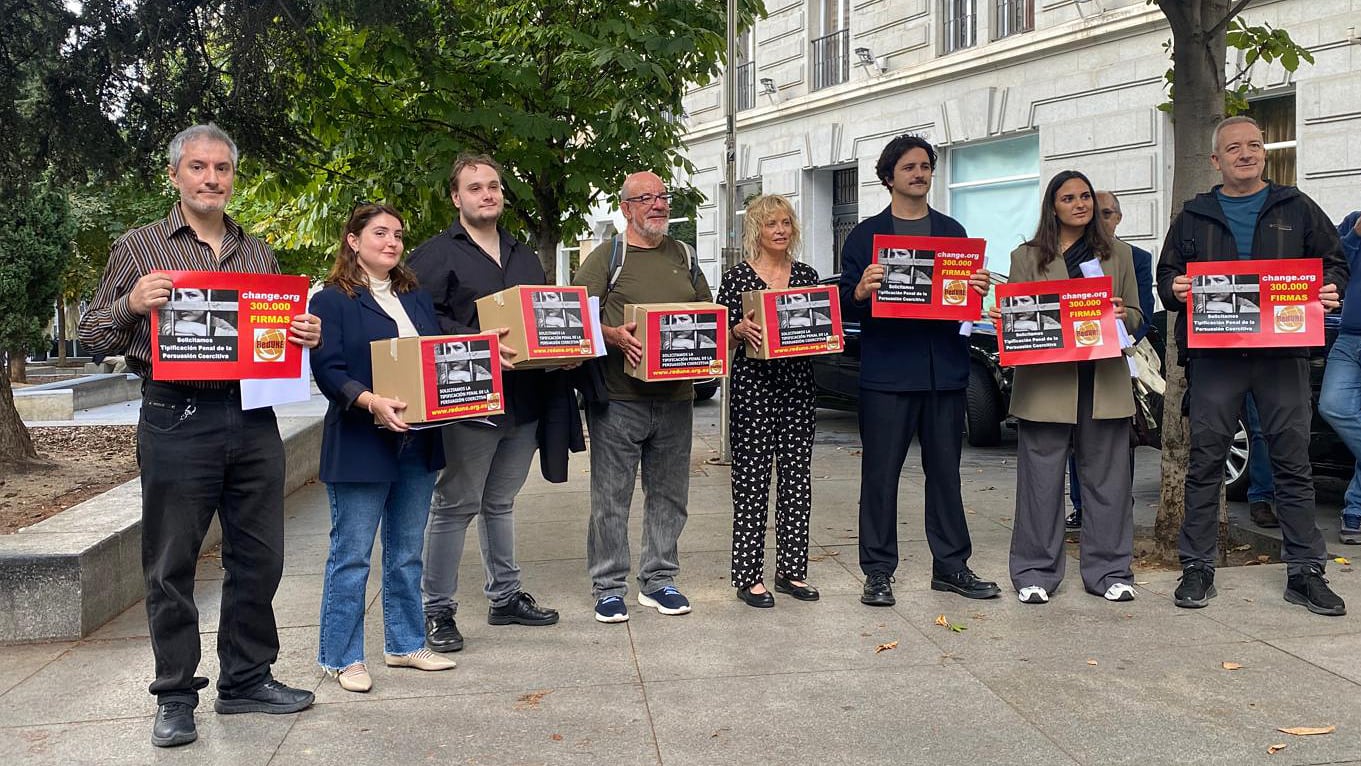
(521,610)
(441,631)
(965,583)
(269,697)
(878,590)
(1263,515)
(800,592)
(174,725)
(759,600)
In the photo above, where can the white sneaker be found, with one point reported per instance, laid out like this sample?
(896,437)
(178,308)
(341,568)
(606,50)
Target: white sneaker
(421,659)
(1120,592)
(1033,594)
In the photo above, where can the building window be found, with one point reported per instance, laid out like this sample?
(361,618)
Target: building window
(845,210)
(961,24)
(1011,17)
(832,50)
(1276,116)
(745,70)
(995,192)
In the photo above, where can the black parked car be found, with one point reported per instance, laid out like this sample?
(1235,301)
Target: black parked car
(837,378)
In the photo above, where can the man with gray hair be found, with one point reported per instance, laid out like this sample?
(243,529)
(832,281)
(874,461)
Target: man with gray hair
(642,423)
(200,454)
(1248,217)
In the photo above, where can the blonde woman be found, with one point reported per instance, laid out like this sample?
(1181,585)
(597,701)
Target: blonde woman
(772,415)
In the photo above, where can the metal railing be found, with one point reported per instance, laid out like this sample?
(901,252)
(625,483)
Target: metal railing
(831,59)
(745,75)
(1010,17)
(961,25)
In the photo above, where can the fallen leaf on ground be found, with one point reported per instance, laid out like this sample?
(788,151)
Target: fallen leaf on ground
(1308,731)
(1141,582)
(1091,662)
(555,737)
(1276,748)
(945,623)
(1342,560)
(1262,559)
(1237,548)
(1230,666)
(531,700)
(886,647)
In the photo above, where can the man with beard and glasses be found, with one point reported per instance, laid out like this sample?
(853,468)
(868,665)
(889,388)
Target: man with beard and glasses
(647,424)
(488,461)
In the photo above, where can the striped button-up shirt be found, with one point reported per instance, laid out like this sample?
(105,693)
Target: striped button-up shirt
(111,327)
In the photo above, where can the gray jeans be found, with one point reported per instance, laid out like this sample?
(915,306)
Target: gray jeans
(624,435)
(486,467)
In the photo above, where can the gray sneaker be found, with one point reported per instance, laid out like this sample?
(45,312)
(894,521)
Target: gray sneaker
(1351,530)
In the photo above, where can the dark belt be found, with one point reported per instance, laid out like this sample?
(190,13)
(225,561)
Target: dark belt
(222,391)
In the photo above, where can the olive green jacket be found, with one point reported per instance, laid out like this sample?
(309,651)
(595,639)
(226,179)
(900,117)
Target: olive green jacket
(1048,392)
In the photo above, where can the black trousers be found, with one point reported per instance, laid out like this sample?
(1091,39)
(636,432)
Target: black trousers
(1280,388)
(888,423)
(774,415)
(200,454)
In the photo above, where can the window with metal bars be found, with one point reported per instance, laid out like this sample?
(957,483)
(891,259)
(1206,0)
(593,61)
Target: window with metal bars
(1011,17)
(960,24)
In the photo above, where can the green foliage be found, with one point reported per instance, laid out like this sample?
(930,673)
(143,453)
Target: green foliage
(100,214)
(35,246)
(1261,42)
(569,97)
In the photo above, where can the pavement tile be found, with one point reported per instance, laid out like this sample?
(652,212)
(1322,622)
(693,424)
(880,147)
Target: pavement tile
(1147,705)
(22,661)
(904,715)
(1250,600)
(729,638)
(546,725)
(1339,654)
(227,739)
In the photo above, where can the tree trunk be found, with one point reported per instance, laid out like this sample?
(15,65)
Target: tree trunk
(1198,52)
(18,368)
(61,329)
(15,444)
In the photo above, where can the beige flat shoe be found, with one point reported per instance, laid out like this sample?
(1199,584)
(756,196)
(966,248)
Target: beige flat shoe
(421,659)
(355,678)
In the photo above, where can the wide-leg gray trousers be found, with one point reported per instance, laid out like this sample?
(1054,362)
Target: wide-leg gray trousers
(1101,448)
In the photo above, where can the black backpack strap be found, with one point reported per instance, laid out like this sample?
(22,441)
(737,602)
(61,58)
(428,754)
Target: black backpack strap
(616,267)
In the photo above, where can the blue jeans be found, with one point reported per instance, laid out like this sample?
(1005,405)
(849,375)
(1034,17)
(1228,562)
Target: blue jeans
(357,508)
(1340,404)
(1261,484)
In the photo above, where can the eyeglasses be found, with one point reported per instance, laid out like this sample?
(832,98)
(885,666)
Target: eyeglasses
(648,199)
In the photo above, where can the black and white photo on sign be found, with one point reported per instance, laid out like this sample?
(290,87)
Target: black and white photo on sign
(796,311)
(195,312)
(462,362)
(1031,313)
(1226,294)
(555,309)
(907,275)
(689,332)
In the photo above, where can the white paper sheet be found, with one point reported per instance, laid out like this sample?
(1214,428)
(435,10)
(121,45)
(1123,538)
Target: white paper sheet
(599,345)
(1092,268)
(269,393)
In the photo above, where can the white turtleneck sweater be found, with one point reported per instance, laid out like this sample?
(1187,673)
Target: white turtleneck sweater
(392,305)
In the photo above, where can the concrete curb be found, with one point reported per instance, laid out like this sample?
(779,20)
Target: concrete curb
(63,577)
(61,399)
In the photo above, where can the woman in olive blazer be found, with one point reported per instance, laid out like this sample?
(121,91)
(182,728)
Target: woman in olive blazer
(1078,407)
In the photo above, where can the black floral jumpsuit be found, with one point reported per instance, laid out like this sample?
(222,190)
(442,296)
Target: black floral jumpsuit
(772,417)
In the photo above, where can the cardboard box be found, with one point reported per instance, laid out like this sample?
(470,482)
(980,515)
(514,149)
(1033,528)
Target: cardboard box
(440,377)
(796,321)
(681,341)
(550,326)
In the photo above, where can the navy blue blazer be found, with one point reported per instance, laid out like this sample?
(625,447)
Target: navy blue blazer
(353,449)
(901,354)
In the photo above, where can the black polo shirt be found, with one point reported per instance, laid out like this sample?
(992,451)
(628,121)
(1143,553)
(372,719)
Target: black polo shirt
(456,272)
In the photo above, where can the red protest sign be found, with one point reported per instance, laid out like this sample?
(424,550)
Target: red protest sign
(681,341)
(927,277)
(1255,304)
(221,325)
(1064,320)
(461,376)
(796,321)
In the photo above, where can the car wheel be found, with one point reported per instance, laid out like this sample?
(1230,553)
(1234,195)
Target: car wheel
(983,416)
(1236,476)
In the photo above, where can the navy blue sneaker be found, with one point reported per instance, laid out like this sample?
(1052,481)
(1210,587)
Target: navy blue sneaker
(611,609)
(666,600)
(1351,530)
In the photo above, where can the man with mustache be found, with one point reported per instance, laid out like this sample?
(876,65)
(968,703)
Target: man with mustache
(642,424)
(913,373)
(1248,217)
(488,463)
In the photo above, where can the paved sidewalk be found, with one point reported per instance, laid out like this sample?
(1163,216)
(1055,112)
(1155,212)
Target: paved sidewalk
(1078,680)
